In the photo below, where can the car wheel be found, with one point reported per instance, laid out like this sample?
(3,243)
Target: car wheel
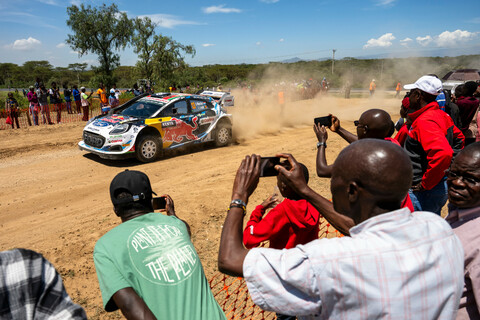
(223,135)
(148,148)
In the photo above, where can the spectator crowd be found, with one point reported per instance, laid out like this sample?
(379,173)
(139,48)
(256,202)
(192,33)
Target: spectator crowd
(398,257)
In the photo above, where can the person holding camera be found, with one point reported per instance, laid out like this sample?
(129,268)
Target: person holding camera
(388,266)
(147,266)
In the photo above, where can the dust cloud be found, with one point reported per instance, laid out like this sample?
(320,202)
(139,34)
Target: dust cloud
(258,114)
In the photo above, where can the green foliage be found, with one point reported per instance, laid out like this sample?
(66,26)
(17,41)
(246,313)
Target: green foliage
(99,31)
(359,72)
(160,57)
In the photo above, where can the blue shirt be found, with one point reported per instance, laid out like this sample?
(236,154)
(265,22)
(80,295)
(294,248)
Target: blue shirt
(76,95)
(441,100)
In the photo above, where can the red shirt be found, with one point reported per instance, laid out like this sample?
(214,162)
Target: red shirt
(290,223)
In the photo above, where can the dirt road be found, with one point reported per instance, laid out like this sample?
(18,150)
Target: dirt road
(55,200)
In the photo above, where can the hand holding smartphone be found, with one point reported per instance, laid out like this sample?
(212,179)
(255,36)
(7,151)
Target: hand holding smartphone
(267,166)
(324,121)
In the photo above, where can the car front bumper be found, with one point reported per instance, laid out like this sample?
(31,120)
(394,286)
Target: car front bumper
(106,154)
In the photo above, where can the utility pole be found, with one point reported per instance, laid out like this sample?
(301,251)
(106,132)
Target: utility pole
(333,58)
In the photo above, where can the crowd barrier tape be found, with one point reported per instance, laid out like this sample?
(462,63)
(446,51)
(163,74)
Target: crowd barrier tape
(94,110)
(232,294)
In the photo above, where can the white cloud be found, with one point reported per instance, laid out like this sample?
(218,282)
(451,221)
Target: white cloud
(220,9)
(61,45)
(405,42)
(281,40)
(385,3)
(208,45)
(50,2)
(167,20)
(258,43)
(269,1)
(424,41)
(451,39)
(383,41)
(475,20)
(25,44)
(76,2)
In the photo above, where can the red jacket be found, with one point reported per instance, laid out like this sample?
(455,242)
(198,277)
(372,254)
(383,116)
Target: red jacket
(290,223)
(431,143)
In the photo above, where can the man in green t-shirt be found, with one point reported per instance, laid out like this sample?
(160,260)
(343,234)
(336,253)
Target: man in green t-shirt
(147,266)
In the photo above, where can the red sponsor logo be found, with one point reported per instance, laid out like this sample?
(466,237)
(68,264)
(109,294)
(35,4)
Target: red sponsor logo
(180,130)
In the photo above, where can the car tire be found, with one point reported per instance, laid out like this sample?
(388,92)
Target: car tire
(148,148)
(223,134)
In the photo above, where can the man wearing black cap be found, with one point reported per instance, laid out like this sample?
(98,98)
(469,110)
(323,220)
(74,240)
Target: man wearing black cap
(147,266)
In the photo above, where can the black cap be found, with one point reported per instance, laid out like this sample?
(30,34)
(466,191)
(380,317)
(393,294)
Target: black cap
(133,182)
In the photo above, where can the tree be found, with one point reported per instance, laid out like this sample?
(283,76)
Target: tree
(99,31)
(144,41)
(78,68)
(159,56)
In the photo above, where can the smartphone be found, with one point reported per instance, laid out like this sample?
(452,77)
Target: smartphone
(267,166)
(159,203)
(324,121)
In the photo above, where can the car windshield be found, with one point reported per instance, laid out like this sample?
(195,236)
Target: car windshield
(142,109)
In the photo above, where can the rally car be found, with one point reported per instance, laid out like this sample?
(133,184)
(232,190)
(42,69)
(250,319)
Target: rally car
(147,126)
(225,99)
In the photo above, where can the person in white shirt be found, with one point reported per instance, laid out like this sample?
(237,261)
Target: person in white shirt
(395,264)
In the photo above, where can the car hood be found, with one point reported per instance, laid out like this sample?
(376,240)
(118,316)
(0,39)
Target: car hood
(105,124)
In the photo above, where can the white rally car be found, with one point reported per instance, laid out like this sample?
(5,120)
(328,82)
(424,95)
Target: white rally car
(147,126)
(225,99)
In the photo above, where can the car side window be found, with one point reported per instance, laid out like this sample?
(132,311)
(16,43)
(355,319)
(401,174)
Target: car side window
(199,105)
(178,108)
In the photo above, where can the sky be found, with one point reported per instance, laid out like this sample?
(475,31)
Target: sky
(257,31)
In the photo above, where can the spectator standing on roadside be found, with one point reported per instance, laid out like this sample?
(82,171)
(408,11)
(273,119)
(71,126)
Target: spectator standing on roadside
(398,89)
(117,92)
(67,94)
(468,107)
(32,289)
(161,278)
(11,106)
(112,99)
(42,95)
(137,92)
(33,106)
(77,98)
(102,96)
(56,100)
(432,142)
(372,87)
(85,103)
(348,88)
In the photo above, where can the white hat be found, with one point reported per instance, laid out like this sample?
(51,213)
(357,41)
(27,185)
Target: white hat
(82,88)
(428,84)
(112,90)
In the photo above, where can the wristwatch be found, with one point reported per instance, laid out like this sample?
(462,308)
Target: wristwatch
(238,202)
(321,144)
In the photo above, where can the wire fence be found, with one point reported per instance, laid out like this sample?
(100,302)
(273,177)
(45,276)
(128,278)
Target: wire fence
(232,294)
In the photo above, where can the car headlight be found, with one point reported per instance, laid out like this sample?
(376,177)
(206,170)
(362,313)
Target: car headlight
(120,128)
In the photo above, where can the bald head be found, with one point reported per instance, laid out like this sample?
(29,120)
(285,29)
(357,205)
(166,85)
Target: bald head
(370,177)
(375,124)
